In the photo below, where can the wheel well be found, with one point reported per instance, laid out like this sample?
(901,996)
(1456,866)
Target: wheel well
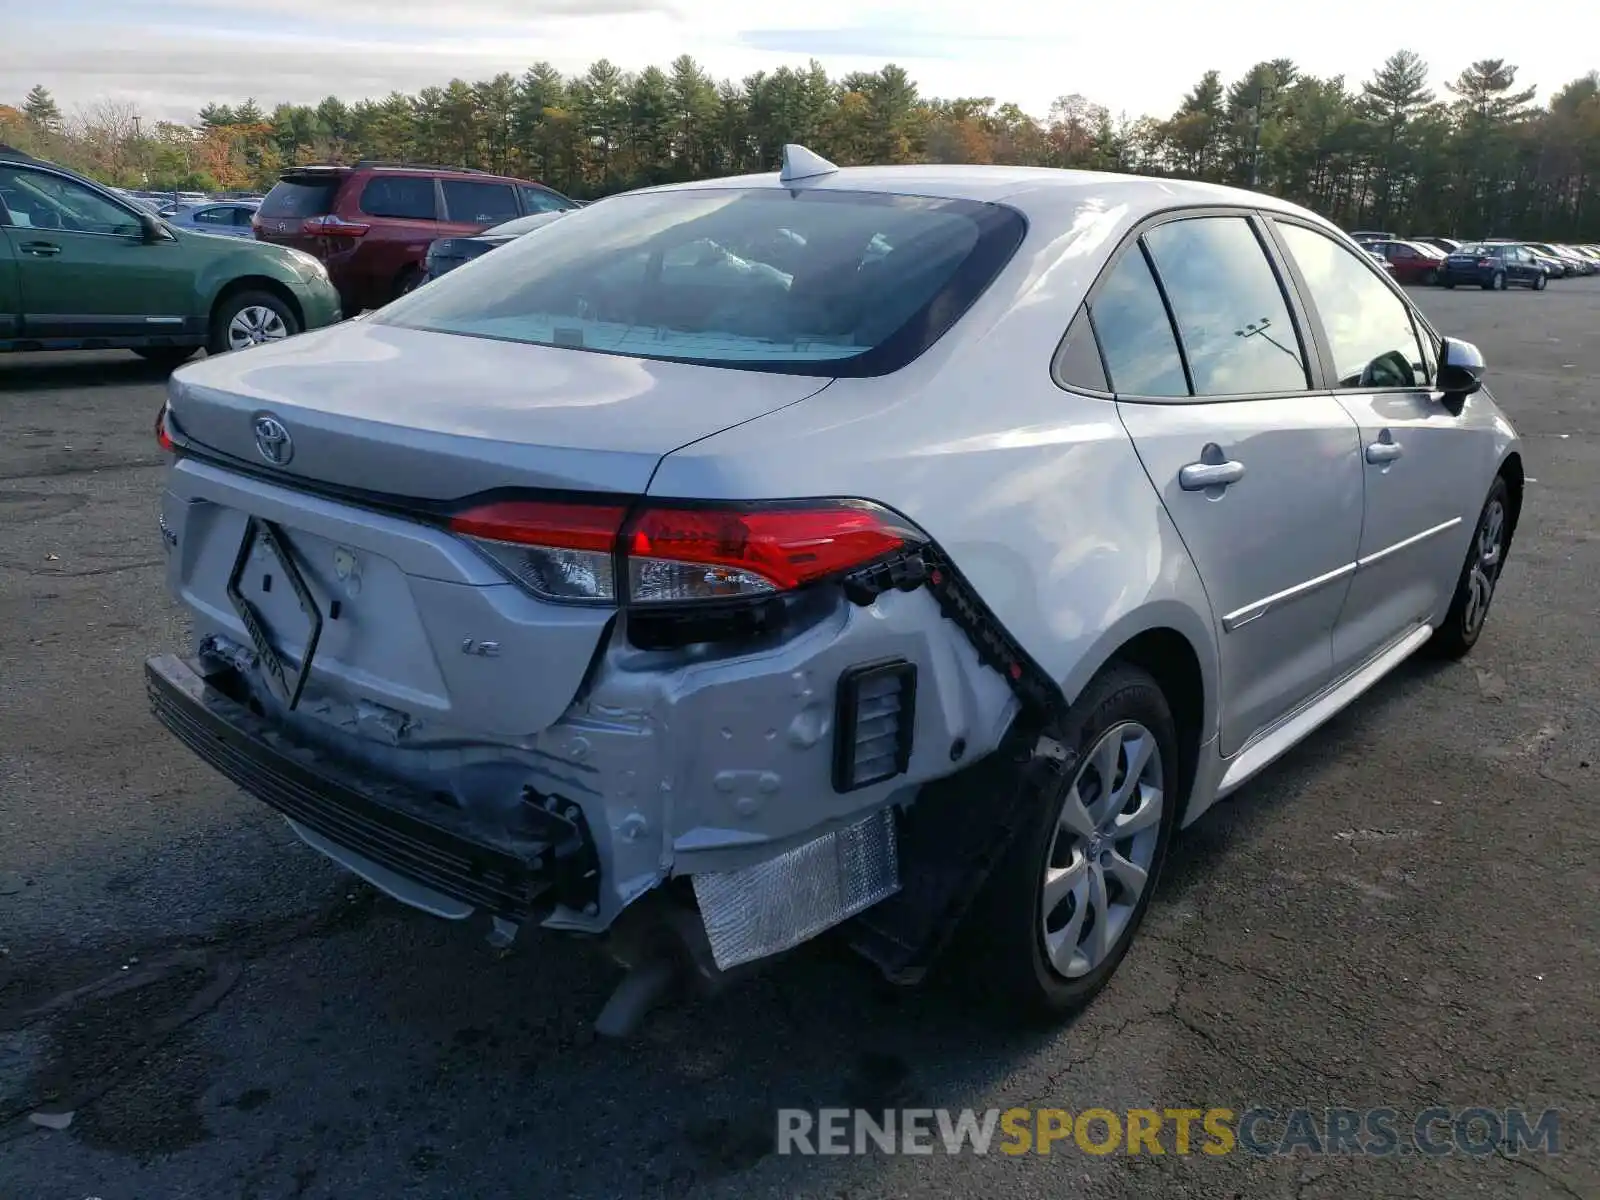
(258,283)
(1511,472)
(1169,658)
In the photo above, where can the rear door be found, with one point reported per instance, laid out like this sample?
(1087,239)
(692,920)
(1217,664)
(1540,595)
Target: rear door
(1421,465)
(10,291)
(408,208)
(1259,471)
(83,266)
(472,205)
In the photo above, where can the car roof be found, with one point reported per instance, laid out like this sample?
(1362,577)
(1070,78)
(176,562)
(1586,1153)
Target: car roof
(1024,188)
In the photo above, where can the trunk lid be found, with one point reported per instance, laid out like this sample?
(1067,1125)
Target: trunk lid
(439,416)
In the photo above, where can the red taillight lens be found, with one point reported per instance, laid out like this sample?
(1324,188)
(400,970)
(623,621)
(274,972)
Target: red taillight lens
(163,435)
(564,551)
(333,226)
(557,551)
(1486,262)
(712,553)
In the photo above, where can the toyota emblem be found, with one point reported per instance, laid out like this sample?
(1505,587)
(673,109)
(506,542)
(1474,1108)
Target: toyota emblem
(273,440)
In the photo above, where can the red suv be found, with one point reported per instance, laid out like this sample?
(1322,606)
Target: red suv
(371,223)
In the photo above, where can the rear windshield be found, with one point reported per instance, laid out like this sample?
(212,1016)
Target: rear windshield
(299,198)
(1480,248)
(815,282)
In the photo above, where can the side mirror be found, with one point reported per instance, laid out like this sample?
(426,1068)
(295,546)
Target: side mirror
(151,229)
(1460,369)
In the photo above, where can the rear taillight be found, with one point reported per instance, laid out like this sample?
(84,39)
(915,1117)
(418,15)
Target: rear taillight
(1486,262)
(556,551)
(163,434)
(676,555)
(333,226)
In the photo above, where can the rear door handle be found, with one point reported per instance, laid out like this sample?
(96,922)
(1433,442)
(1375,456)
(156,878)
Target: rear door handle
(1383,452)
(1197,477)
(40,249)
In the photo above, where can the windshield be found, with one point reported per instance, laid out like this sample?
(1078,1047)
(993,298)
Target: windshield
(1484,248)
(815,282)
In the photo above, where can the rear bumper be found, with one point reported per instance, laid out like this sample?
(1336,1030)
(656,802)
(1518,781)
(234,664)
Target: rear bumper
(403,831)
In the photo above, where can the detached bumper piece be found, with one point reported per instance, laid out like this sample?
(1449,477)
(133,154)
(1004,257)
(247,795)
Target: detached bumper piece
(775,905)
(407,831)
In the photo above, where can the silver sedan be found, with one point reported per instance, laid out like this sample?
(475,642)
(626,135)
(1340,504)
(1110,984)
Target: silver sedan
(913,549)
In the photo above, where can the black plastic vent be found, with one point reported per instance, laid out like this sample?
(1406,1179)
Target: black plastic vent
(877,708)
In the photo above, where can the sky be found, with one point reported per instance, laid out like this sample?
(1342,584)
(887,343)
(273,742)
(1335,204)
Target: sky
(169,57)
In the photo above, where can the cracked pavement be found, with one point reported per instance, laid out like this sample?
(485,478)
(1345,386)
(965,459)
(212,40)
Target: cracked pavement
(1401,913)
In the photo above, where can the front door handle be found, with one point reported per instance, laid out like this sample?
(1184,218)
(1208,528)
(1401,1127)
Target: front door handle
(1383,451)
(1197,477)
(40,249)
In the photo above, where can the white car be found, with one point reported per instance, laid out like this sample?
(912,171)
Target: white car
(897,547)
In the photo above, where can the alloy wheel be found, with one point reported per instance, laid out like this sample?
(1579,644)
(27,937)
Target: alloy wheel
(1488,555)
(1103,849)
(254,325)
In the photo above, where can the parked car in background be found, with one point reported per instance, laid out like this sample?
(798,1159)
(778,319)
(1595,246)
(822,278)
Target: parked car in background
(1378,255)
(445,254)
(1554,268)
(372,223)
(630,578)
(1493,266)
(1448,245)
(229,218)
(1411,261)
(84,268)
(1373,235)
(1576,262)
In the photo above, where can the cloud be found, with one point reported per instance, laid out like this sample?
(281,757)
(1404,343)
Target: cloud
(881,42)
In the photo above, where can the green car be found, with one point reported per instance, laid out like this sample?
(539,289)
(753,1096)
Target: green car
(81,268)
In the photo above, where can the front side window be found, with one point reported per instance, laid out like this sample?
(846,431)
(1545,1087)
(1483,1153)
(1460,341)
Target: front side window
(1231,314)
(819,282)
(479,203)
(37,200)
(409,197)
(1136,340)
(1369,329)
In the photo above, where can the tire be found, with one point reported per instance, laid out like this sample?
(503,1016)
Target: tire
(1430,278)
(410,280)
(1480,576)
(1539,282)
(1496,282)
(1449,285)
(166,357)
(250,318)
(1005,936)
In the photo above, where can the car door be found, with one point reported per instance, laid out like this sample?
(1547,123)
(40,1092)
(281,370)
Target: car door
(10,290)
(84,268)
(1421,465)
(1259,470)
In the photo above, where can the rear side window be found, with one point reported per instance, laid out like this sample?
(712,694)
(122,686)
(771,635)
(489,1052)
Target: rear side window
(1231,314)
(1369,328)
(214,216)
(409,197)
(299,198)
(538,200)
(817,282)
(479,203)
(1136,341)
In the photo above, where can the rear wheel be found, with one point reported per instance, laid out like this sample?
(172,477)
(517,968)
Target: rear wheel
(1430,277)
(1496,282)
(166,357)
(1539,282)
(1450,285)
(251,319)
(1063,905)
(1480,575)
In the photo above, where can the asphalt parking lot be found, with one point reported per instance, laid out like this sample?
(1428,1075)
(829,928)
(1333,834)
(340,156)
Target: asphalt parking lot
(1402,913)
